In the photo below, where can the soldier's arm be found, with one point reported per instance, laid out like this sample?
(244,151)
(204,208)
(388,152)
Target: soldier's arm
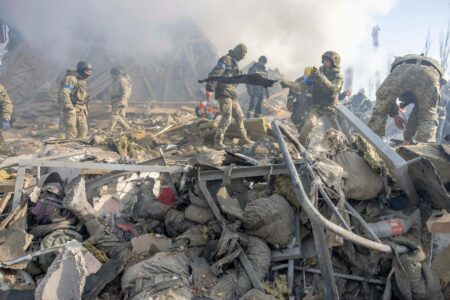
(7,106)
(334,85)
(218,70)
(69,84)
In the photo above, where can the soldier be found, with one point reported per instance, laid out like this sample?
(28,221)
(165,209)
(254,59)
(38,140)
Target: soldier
(414,79)
(361,104)
(6,108)
(120,93)
(256,92)
(327,82)
(299,98)
(73,98)
(226,95)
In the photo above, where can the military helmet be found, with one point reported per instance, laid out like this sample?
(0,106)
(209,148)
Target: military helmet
(116,71)
(239,51)
(334,57)
(82,65)
(362,91)
(262,59)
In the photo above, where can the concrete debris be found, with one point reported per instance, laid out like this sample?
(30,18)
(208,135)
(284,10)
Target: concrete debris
(155,212)
(66,277)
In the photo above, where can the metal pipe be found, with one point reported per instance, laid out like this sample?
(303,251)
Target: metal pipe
(311,211)
(318,232)
(381,281)
(324,194)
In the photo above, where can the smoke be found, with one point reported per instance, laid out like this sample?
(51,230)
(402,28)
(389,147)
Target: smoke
(291,33)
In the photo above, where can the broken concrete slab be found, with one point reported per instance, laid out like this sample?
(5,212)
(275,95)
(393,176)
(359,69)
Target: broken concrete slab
(439,222)
(13,243)
(150,243)
(66,277)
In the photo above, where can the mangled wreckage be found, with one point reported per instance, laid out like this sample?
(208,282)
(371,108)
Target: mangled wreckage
(348,217)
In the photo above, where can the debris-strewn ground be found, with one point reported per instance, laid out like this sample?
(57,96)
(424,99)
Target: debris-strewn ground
(187,229)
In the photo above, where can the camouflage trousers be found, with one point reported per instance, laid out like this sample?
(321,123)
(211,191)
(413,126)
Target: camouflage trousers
(119,117)
(230,108)
(423,83)
(75,122)
(313,116)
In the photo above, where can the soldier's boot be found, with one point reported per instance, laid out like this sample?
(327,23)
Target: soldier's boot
(250,115)
(218,142)
(257,115)
(76,200)
(245,141)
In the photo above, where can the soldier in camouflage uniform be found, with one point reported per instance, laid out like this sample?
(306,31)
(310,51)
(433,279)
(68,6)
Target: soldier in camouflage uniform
(413,79)
(327,82)
(299,98)
(120,92)
(226,95)
(6,108)
(361,104)
(73,98)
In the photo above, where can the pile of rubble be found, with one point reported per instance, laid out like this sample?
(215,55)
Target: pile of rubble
(157,214)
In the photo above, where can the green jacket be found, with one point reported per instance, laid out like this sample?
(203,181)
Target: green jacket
(73,92)
(6,104)
(227,66)
(326,87)
(120,91)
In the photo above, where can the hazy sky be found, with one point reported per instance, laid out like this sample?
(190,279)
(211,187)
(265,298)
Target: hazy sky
(404,28)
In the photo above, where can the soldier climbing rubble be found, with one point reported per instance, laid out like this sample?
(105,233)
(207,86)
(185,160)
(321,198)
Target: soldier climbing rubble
(414,79)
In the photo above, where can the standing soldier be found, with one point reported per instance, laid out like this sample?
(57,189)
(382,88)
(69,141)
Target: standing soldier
(361,104)
(73,98)
(415,79)
(256,92)
(6,108)
(226,94)
(120,93)
(327,82)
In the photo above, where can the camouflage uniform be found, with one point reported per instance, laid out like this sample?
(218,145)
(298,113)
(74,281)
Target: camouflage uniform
(120,93)
(226,94)
(360,105)
(324,95)
(6,104)
(73,97)
(418,77)
(298,101)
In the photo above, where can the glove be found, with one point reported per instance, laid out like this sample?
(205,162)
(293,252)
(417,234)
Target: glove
(6,124)
(399,122)
(283,85)
(208,95)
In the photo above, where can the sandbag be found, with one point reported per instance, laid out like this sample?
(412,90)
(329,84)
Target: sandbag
(198,214)
(176,223)
(259,255)
(271,219)
(163,271)
(413,277)
(193,237)
(360,182)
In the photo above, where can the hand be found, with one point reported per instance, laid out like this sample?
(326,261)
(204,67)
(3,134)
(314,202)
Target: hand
(399,122)
(208,95)
(283,85)
(314,71)
(6,124)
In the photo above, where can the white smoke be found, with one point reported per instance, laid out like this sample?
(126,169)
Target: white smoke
(291,33)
